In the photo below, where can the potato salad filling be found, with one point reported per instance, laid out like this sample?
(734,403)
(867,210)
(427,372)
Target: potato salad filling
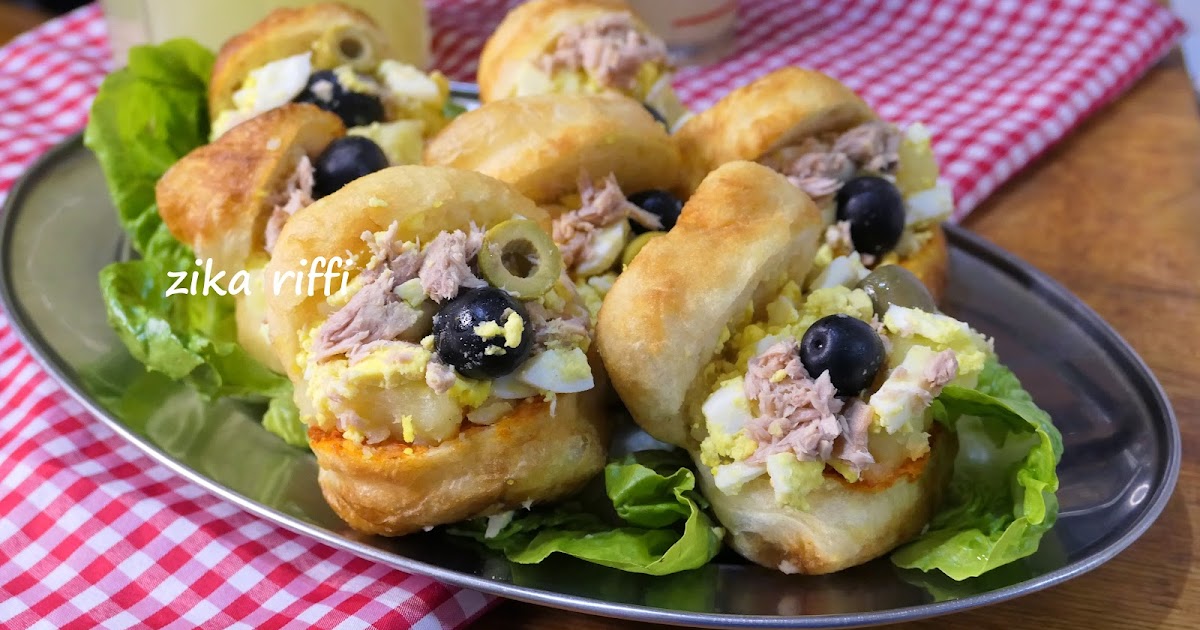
(393,104)
(835,379)
(878,189)
(600,227)
(461,329)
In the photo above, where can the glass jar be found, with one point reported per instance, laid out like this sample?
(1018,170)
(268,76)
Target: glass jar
(696,32)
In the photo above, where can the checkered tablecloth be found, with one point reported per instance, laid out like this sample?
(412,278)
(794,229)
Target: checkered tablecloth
(94,533)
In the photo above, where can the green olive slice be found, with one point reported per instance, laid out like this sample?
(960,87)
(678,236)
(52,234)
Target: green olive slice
(893,284)
(346,45)
(636,246)
(521,258)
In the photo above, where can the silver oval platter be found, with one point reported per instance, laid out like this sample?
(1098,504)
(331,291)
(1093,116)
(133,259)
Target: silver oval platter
(1122,445)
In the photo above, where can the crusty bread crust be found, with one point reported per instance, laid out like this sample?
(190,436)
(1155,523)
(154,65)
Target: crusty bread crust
(742,235)
(425,200)
(530,454)
(744,232)
(846,524)
(217,199)
(772,112)
(777,110)
(283,33)
(527,456)
(530,30)
(539,144)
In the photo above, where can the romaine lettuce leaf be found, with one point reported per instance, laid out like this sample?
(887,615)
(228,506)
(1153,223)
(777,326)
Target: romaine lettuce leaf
(186,337)
(1001,496)
(659,527)
(144,119)
(283,419)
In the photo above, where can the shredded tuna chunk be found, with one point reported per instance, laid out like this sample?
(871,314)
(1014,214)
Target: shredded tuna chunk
(800,415)
(296,195)
(941,371)
(820,174)
(874,146)
(375,313)
(558,330)
(851,446)
(447,268)
(821,166)
(601,207)
(439,376)
(610,49)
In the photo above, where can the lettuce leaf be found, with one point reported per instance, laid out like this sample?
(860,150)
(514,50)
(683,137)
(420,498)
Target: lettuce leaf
(659,526)
(186,337)
(1001,497)
(283,419)
(144,119)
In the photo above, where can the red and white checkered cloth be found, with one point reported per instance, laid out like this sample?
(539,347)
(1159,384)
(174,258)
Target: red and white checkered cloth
(93,533)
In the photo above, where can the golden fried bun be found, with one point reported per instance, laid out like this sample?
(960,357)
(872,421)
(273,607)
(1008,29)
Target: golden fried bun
(528,31)
(218,198)
(539,144)
(509,64)
(744,233)
(394,488)
(846,524)
(780,109)
(335,33)
(425,200)
(527,456)
(776,110)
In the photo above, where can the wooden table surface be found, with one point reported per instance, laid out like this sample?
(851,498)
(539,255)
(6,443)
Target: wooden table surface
(1113,213)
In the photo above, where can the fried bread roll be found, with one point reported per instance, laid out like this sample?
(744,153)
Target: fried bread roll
(219,199)
(540,144)
(580,157)
(781,117)
(334,57)
(404,440)
(746,237)
(335,33)
(546,46)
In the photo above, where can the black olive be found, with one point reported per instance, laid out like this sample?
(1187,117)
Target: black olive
(849,349)
(354,108)
(660,203)
(476,356)
(662,120)
(345,160)
(875,209)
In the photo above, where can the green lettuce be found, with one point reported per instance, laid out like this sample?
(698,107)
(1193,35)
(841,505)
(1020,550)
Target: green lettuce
(144,119)
(654,522)
(1001,497)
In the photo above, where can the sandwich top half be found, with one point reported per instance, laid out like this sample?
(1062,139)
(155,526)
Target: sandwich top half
(334,57)
(875,182)
(792,397)
(601,166)
(578,47)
